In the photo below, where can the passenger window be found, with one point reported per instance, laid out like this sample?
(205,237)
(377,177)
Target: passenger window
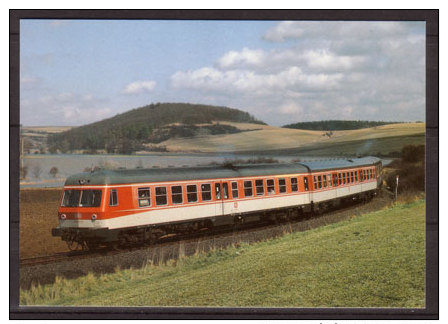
(270,186)
(352,177)
(329,180)
(315,182)
(305,183)
(206,191)
(356,176)
(343,178)
(192,193)
(225,190)
(113,197)
(218,191)
(281,185)
(176,194)
(324,178)
(348,177)
(144,197)
(319,179)
(161,196)
(294,184)
(248,188)
(335,180)
(235,189)
(259,187)
(340,178)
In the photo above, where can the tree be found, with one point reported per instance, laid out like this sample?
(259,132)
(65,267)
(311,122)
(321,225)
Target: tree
(23,171)
(37,171)
(54,171)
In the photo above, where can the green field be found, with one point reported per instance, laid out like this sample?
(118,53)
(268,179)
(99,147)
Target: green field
(373,260)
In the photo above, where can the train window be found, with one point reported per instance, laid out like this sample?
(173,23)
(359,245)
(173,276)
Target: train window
(113,197)
(305,183)
(270,186)
(192,193)
(329,180)
(340,178)
(281,185)
(315,182)
(176,194)
(225,190)
(356,176)
(294,184)
(324,178)
(90,198)
(259,187)
(343,178)
(235,189)
(319,180)
(206,191)
(335,180)
(352,177)
(71,198)
(248,188)
(161,196)
(218,190)
(144,197)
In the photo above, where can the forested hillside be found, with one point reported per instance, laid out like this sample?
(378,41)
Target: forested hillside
(126,132)
(332,125)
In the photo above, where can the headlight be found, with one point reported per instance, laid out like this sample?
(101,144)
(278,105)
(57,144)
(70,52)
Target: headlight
(63,216)
(94,217)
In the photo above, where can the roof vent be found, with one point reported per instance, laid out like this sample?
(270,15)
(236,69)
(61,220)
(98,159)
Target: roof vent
(349,160)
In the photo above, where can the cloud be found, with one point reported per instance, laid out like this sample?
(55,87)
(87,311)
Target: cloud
(63,109)
(324,70)
(283,31)
(57,23)
(139,87)
(246,57)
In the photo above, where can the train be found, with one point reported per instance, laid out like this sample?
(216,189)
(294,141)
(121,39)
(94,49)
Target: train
(138,206)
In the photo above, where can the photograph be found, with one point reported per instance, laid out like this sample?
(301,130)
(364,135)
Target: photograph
(240,164)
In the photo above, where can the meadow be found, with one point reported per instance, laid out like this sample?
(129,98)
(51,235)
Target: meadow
(373,260)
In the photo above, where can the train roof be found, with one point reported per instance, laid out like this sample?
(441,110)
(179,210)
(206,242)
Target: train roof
(125,176)
(323,165)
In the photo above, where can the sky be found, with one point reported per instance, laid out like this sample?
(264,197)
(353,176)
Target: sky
(74,72)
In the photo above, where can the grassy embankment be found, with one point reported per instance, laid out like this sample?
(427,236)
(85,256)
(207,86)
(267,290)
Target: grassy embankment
(374,260)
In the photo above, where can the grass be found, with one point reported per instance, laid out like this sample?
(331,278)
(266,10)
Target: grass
(274,138)
(373,260)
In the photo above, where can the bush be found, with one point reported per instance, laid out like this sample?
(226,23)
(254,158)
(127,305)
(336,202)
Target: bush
(54,171)
(413,153)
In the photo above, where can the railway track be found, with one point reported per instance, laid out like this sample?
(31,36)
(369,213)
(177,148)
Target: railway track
(184,238)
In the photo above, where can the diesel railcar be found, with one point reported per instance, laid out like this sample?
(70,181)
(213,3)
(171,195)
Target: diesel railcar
(139,205)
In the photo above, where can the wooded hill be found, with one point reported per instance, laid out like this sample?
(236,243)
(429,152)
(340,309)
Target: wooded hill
(126,132)
(332,125)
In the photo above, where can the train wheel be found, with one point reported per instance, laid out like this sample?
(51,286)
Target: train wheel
(73,245)
(92,246)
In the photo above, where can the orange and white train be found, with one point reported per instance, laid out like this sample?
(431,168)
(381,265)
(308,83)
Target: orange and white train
(139,205)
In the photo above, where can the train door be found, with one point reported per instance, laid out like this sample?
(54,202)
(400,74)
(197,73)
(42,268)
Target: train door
(221,194)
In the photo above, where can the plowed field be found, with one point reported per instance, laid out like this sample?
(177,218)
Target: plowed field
(38,215)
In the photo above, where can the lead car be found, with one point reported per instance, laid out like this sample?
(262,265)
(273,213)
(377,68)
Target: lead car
(121,207)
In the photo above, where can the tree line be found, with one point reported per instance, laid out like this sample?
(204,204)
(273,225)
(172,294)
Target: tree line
(332,125)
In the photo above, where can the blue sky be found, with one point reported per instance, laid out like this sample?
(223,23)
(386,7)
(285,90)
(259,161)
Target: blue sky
(74,72)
